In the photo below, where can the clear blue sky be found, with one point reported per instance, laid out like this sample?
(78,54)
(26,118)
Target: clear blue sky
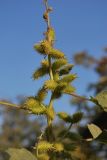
(79,24)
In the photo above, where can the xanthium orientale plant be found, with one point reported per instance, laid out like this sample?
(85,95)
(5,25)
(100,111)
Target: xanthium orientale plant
(56,66)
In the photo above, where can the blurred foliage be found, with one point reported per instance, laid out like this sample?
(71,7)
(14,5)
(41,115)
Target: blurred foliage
(18,129)
(92,112)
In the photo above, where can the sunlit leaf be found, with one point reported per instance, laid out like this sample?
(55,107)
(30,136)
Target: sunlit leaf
(102,99)
(94,130)
(20,154)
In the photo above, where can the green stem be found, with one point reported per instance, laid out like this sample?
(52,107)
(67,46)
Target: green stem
(66,132)
(49,59)
(50,68)
(39,139)
(49,120)
(51,77)
(79,97)
(9,104)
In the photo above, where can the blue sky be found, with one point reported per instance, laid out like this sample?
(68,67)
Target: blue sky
(79,25)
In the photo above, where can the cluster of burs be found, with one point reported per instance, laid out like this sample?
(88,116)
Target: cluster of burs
(55,65)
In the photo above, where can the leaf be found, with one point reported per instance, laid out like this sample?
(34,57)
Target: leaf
(94,130)
(98,134)
(20,154)
(102,100)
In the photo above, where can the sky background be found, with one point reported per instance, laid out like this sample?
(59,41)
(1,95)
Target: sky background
(80,25)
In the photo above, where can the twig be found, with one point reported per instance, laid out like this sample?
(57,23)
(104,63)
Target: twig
(39,139)
(79,97)
(9,104)
(46,5)
(67,131)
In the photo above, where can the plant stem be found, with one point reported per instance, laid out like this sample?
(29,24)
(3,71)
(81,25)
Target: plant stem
(39,139)
(46,6)
(9,104)
(79,97)
(66,131)
(50,68)
(50,106)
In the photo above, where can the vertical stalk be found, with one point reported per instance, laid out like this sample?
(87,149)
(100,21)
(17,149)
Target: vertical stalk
(51,77)
(49,120)
(50,68)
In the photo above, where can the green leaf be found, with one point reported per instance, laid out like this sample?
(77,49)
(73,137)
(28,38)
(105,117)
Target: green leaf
(94,130)
(20,154)
(102,100)
(98,134)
